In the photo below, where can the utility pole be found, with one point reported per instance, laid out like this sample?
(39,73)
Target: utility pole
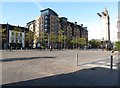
(7,43)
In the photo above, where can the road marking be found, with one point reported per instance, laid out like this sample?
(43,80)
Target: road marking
(93,61)
(101,62)
(95,65)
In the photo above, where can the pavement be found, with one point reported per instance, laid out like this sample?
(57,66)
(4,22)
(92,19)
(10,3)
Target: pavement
(59,68)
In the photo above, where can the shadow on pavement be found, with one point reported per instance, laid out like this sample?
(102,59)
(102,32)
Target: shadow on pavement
(87,77)
(26,58)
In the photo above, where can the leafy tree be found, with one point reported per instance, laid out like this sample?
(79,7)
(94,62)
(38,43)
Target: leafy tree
(95,43)
(30,37)
(53,38)
(117,44)
(61,38)
(3,32)
(3,35)
(73,42)
(82,42)
(40,37)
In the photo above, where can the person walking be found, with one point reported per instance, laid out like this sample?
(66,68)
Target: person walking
(38,46)
(50,48)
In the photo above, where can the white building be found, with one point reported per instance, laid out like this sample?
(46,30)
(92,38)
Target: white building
(37,30)
(118,23)
(34,26)
(15,36)
(105,25)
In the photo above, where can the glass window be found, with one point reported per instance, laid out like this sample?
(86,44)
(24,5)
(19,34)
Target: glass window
(16,40)
(12,40)
(46,17)
(20,34)
(12,33)
(16,34)
(20,40)
(45,30)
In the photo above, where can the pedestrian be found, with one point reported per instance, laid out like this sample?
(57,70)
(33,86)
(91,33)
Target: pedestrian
(102,47)
(10,47)
(38,46)
(50,48)
(6,46)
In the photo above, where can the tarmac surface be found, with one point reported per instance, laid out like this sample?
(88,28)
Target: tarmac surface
(59,68)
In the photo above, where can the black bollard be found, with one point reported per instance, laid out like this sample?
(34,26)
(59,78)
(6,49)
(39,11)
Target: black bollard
(111,66)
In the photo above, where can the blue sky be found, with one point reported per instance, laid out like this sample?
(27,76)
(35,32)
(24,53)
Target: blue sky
(19,13)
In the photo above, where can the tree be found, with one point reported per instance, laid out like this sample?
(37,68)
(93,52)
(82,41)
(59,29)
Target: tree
(30,38)
(40,38)
(3,36)
(3,32)
(53,38)
(117,45)
(61,38)
(73,42)
(82,42)
(95,43)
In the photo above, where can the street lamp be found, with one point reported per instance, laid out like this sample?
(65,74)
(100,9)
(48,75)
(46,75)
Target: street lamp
(7,44)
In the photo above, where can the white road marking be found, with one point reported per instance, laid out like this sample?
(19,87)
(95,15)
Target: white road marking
(95,65)
(101,62)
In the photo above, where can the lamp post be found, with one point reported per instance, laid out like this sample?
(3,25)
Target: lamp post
(24,38)
(7,43)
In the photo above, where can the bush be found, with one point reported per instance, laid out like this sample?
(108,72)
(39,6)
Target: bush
(117,46)
(43,47)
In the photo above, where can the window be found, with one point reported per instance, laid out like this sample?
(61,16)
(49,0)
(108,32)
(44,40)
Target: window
(20,34)
(16,40)
(20,40)
(46,17)
(45,30)
(12,40)
(16,34)
(12,33)
(51,17)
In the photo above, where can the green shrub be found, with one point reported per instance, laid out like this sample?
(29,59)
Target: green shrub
(117,46)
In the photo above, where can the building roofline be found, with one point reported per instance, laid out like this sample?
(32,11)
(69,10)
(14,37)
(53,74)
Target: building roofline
(30,22)
(14,26)
(50,10)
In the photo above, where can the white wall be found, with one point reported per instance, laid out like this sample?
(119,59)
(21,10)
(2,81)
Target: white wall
(14,36)
(105,25)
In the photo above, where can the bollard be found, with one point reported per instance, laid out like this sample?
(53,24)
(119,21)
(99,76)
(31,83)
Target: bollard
(77,58)
(111,66)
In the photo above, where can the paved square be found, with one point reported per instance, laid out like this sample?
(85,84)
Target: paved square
(18,66)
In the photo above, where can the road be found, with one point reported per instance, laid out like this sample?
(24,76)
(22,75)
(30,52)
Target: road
(26,65)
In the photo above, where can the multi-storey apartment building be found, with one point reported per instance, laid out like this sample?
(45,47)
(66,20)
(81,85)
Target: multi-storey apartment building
(48,23)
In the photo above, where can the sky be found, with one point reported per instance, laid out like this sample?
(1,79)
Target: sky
(19,13)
